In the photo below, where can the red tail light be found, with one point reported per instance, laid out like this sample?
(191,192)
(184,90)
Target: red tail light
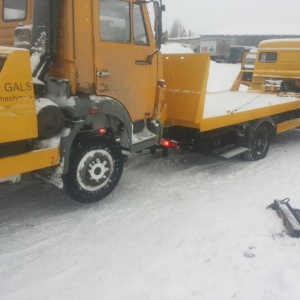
(169,144)
(102,130)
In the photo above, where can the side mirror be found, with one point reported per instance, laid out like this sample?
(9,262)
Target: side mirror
(158,9)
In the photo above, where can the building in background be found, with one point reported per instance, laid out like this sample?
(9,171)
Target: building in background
(192,42)
(242,35)
(252,35)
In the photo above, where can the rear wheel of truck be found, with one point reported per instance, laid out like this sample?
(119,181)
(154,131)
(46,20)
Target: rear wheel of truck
(259,143)
(95,168)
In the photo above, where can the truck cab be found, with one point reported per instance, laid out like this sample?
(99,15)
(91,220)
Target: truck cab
(98,61)
(235,122)
(277,66)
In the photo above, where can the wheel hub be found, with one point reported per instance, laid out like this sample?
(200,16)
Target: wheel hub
(261,143)
(98,169)
(95,170)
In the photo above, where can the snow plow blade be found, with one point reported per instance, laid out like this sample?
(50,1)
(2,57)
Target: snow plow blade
(289,216)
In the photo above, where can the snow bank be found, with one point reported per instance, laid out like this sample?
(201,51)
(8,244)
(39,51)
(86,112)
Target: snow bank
(221,76)
(173,48)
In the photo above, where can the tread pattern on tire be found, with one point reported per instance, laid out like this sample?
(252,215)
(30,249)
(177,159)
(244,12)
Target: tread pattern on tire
(71,184)
(251,155)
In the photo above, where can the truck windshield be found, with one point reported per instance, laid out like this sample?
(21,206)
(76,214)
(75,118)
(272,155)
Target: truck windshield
(14,10)
(250,61)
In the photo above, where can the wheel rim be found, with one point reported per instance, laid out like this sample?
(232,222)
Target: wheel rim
(261,142)
(95,170)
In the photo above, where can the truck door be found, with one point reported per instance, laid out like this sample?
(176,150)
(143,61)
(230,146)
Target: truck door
(123,41)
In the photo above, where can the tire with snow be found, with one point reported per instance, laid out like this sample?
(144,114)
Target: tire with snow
(259,143)
(95,168)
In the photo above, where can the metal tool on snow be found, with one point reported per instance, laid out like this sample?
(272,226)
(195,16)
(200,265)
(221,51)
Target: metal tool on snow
(289,215)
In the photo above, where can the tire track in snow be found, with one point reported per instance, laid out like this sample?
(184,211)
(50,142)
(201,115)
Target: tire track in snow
(28,204)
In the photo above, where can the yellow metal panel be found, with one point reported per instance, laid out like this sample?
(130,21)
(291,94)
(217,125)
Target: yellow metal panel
(64,65)
(240,117)
(160,101)
(17,105)
(285,126)
(18,164)
(186,79)
(86,15)
(282,44)
(239,80)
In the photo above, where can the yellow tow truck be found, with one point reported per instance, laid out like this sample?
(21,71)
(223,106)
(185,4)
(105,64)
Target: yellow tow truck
(234,122)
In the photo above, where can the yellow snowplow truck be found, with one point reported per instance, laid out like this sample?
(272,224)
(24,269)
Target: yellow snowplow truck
(80,83)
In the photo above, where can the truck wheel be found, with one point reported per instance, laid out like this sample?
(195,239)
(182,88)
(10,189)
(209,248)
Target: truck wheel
(95,169)
(259,143)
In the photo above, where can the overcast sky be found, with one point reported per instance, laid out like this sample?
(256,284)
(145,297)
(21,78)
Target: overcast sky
(201,16)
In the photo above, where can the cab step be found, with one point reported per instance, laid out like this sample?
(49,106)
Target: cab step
(142,140)
(230,151)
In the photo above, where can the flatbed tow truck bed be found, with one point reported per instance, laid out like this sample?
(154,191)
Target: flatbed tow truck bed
(189,105)
(228,108)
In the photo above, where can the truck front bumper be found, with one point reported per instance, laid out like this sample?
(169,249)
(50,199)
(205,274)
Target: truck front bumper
(27,162)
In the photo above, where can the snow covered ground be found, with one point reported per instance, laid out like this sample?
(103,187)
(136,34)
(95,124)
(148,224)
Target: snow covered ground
(189,226)
(175,48)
